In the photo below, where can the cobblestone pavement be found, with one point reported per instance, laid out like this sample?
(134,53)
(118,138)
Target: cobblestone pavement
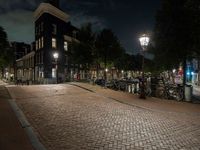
(68,117)
(150,103)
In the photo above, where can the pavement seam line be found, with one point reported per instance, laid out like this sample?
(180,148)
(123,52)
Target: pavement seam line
(111,98)
(25,124)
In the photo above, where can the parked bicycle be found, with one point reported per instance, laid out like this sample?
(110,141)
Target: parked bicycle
(171,91)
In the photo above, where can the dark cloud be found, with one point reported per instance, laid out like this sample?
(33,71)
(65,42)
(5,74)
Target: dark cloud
(127,18)
(19,25)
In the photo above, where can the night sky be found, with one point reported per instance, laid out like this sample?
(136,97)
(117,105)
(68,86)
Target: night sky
(127,18)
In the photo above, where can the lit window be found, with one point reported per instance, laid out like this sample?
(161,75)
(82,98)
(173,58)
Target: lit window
(42,42)
(53,72)
(39,44)
(54,29)
(65,46)
(53,42)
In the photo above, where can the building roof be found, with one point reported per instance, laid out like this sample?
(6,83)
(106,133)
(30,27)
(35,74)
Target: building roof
(48,8)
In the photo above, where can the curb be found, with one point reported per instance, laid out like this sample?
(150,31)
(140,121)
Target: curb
(25,124)
(119,101)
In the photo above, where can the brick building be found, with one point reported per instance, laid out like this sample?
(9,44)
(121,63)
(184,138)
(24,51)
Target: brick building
(53,34)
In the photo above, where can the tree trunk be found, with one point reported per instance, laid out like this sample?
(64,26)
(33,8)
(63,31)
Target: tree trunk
(105,64)
(97,68)
(184,71)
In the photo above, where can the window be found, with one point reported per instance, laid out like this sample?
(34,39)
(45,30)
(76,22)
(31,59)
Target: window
(74,34)
(36,57)
(53,72)
(54,29)
(42,26)
(39,58)
(32,61)
(39,29)
(42,42)
(65,45)
(53,43)
(66,60)
(36,45)
(42,57)
(39,43)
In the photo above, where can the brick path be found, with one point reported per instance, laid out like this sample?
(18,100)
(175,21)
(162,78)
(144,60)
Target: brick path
(68,117)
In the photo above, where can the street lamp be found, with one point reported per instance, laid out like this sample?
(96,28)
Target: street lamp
(144,41)
(55,56)
(106,70)
(122,74)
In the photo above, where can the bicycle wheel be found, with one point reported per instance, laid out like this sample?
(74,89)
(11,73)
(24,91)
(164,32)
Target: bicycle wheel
(179,95)
(160,93)
(148,92)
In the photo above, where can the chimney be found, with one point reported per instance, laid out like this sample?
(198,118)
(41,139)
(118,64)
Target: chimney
(54,3)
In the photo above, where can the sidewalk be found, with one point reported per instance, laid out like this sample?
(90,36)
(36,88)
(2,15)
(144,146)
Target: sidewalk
(151,103)
(13,136)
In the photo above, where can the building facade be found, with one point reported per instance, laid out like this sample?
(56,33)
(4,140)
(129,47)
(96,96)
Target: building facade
(53,34)
(25,68)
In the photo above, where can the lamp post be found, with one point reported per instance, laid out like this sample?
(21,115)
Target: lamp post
(55,56)
(106,70)
(122,74)
(144,41)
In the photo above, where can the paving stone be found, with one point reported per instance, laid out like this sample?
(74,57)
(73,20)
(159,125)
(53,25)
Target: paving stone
(68,117)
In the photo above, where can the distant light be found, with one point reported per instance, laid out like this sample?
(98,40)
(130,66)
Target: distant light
(174,70)
(188,73)
(192,73)
(55,55)
(106,69)
(122,71)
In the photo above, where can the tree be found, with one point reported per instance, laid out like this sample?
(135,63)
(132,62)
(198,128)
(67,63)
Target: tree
(177,33)
(6,56)
(82,52)
(108,47)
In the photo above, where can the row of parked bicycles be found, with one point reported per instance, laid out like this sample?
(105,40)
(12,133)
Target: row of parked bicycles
(156,87)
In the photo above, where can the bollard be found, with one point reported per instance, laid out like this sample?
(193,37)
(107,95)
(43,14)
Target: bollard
(188,93)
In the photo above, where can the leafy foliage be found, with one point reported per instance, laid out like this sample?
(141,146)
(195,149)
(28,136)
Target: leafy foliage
(82,52)
(177,32)
(108,47)
(5,51)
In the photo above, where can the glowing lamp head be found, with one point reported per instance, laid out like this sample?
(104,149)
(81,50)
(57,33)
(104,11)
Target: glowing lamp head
(55,55)
(144,41)
(122,71)
(106,69)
